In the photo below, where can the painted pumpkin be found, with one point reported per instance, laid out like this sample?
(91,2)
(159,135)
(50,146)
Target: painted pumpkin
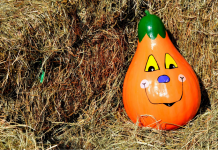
(160,88)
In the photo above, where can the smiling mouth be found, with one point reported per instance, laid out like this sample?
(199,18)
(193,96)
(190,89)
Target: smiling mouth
(167,104)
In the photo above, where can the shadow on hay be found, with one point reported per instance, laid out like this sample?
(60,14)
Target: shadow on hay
(205,101)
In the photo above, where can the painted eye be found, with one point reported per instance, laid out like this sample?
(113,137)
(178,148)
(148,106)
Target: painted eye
(170,62)
(151,64)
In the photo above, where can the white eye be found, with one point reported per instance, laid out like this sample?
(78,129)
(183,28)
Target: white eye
(181,78)
(144,83)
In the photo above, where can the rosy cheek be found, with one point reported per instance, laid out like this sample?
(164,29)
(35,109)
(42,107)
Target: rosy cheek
(144,84)
(181,78)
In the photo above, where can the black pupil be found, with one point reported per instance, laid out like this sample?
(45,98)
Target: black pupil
(171,66)
(151,68)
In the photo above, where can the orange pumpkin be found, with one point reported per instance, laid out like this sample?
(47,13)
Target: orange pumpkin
(160,88)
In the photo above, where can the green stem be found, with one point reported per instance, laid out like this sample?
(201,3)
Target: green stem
(147,12)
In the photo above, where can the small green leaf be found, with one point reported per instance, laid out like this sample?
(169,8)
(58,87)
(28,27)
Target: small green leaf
(42,76)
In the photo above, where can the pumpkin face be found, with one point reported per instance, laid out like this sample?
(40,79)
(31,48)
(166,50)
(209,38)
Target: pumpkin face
(160,88)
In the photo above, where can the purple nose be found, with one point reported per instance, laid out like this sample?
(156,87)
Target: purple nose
(163,79)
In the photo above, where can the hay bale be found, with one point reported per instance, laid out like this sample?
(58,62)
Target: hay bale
(84,49)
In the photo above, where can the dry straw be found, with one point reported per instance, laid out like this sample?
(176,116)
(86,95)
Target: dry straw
(83,48)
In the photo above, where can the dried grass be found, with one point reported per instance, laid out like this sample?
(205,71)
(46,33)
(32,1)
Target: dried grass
(85,47)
